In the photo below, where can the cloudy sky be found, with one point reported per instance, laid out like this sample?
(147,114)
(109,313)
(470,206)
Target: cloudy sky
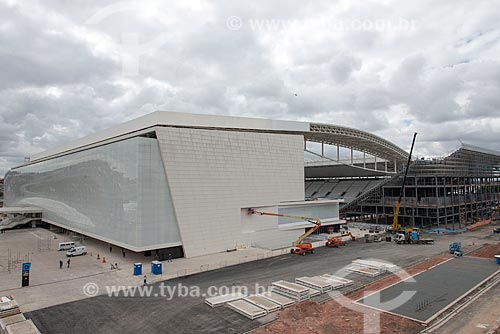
(69,68)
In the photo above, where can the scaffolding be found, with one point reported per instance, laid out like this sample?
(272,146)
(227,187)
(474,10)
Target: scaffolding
(451,192)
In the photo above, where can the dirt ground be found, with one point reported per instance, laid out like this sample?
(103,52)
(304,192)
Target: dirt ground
(488,251)
(332,317)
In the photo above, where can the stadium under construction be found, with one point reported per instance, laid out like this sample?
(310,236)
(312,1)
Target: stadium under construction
(167,181)
(449,192)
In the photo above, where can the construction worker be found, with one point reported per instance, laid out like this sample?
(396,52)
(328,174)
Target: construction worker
(69,261)
(145,279)
(60,264)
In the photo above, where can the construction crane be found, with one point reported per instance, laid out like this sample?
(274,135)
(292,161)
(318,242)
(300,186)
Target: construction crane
(298,247)
(395,224)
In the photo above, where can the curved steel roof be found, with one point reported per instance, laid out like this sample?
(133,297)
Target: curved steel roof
(359,140)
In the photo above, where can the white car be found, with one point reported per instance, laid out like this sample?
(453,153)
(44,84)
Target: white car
(75,251)
(65,245)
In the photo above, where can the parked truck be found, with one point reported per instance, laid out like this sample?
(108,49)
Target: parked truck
(412,237)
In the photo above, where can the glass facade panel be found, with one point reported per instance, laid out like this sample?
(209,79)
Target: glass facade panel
(117,191)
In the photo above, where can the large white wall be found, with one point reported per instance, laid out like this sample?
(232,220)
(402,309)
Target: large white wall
(212,174)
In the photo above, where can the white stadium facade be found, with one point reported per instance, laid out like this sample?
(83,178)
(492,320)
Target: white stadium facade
(182,183)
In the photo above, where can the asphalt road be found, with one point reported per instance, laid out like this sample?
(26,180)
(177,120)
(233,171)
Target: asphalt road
(104,314)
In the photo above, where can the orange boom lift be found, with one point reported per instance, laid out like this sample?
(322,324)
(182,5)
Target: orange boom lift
(298,247)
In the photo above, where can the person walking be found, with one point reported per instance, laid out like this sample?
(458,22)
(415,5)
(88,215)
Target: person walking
(60,264)
(145,279)
(69,261)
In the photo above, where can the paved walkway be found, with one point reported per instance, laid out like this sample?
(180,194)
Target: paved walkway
(50,285)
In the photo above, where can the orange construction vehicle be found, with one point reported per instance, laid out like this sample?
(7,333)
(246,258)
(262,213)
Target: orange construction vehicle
(298,247)
(349,234)
(334,242)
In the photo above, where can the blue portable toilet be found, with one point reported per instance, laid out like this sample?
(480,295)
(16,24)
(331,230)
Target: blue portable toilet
(137,269)
(156,267)
(414,236)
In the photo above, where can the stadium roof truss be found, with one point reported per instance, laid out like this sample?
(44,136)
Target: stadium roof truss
(354,140)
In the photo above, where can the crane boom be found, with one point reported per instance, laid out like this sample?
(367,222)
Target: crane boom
(301,238)
(395,223)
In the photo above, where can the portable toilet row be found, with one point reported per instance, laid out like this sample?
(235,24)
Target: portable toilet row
(156,268)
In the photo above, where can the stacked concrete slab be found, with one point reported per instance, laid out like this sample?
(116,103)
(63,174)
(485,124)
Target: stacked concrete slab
(23,327)
(336,281)
(8,307)
(370,267)
(373,264)
(12,321)
(247,309)
(364,271)
(291,290)
(263,303)
(316,283)
(278,299)
(223,299)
